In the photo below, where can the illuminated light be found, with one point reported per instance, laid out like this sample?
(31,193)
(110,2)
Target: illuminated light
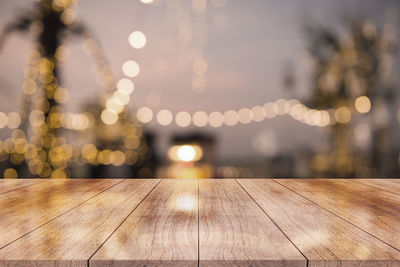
(114,105)
(200,118)
(362,104)
(31,73)
(118,158)
(309,117)
(61,95)
(14,120)
(183,119)
(297,111)
(29,86)
(58,174)
(200,67)
(9,146)
(325,118)
(36,118)
(144,114)
(185,202)
(123,98)
(62,53)
(45,65)
(281,106)
(90,46)
(216,119)
(132,142)
(258,113)
(269,110)
(343,114)
(245,115)
(89,152)
(125,86)
(231,118)
(164,117)
(186,153)
(317,118)
(137,39)
(105,157)
(3,120)
(199,6)
(147,1)
(10,173)
(131,68)
(109,117)
(68,16)
(199,83)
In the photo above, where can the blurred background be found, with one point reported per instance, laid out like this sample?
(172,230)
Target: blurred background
(199,88)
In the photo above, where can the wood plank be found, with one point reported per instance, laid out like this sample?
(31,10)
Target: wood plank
(234,231)
(25,209)
(373,210)
(71,239)
(162,231)
(322,237)
(391,185)
(7,185)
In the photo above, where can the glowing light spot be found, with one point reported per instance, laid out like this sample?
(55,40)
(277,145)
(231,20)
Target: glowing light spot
(362,104)
(137,39)
(269,110)
(131,68)
(114,105)
(343,115)
(3,120)
(245,115)
(164,117)
(258,113)
(231,117)
(144,114)
(109,117)
(186,153)
(200,67)
(36,118)
(186,202)
(10,173)
(125,86)
(200,119)
(183,119)
(216,119)
(14,120)
(61,95)
(147,1)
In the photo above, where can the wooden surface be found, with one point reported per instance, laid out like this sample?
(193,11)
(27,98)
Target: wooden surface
(249,222)
(234,231)
(7,185)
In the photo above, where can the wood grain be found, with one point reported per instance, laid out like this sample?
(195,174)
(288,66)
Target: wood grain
(373,210)
(234,231)
(71,239)
(391,185)
(162,231)
(7,185)
(27,208)
(322,237)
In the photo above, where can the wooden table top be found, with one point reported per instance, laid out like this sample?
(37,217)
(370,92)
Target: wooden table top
(243,222)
